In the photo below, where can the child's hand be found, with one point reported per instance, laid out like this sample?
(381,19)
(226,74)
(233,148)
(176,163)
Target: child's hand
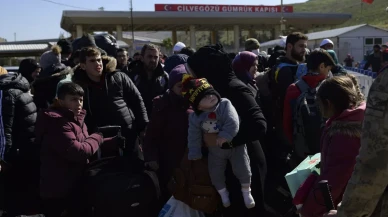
(221,141)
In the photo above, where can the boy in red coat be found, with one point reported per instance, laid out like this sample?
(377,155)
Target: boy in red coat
(319,65)
(65,148)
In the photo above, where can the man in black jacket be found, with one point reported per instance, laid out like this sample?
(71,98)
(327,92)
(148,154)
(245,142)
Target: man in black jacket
(110,98)
(149,76)
(375,59)
(122,61)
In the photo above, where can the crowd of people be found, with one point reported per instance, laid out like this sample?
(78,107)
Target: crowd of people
(228,126)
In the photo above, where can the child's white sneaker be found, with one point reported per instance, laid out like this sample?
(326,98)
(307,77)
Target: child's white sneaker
(224,197)
(248,199)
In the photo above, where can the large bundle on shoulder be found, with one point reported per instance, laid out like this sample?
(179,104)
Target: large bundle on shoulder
(106,43)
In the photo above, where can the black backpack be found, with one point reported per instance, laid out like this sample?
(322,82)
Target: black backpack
(118,186)
(307,122)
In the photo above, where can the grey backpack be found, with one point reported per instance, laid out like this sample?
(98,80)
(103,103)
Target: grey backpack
(307,121)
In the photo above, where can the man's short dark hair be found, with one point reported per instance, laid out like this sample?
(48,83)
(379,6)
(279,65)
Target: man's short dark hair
(189,51)
(121,50)
(88,52)
(377,46)
(69,88)
(136,54)
(295,37)
(317,57)
(149,47)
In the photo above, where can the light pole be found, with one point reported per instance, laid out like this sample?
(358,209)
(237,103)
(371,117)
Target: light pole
(282,20)
(132,28)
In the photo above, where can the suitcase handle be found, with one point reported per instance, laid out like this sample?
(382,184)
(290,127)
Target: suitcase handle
(113,127)
(110,128)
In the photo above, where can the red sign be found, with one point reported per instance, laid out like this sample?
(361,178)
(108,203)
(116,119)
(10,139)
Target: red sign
(223,8)
(368,1)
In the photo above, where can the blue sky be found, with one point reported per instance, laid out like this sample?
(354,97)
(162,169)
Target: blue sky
(40,19)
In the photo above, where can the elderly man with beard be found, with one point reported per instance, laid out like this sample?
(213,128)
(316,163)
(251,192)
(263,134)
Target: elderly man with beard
(149,76)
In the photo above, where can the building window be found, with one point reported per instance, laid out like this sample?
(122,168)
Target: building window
(368,41)
(378,41)
(372,41)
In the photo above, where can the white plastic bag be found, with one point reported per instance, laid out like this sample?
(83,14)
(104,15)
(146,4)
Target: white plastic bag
(176,208)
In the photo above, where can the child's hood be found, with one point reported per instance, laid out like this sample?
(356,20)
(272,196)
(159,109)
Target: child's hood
(314,80)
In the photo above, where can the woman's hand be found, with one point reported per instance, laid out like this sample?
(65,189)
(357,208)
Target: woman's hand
(332,213)
(210,139)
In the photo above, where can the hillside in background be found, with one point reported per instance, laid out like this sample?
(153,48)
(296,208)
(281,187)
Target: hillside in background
(373,14)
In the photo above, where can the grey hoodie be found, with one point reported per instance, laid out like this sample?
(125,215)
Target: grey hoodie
(223,120)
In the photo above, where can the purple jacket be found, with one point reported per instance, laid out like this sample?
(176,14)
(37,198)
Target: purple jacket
(65,149)
(166,136)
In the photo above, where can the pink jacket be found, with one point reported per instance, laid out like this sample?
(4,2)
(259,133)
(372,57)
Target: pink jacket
(340,144)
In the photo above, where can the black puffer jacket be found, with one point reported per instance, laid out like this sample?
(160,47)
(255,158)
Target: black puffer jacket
(19,116)
(113,101)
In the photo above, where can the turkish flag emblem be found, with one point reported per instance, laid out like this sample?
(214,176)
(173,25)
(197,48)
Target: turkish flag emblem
(167,8)
(368,1)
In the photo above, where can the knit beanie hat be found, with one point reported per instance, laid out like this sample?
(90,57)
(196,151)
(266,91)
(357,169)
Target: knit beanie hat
(333,55)
(3,71)
(176,75)
(50,58)
(174,61)
(252,44)
(65,46)
(27,67)
(194,90)
(243,62)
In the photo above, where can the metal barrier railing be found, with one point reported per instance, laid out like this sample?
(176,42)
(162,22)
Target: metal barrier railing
(365,78)
(362,71)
